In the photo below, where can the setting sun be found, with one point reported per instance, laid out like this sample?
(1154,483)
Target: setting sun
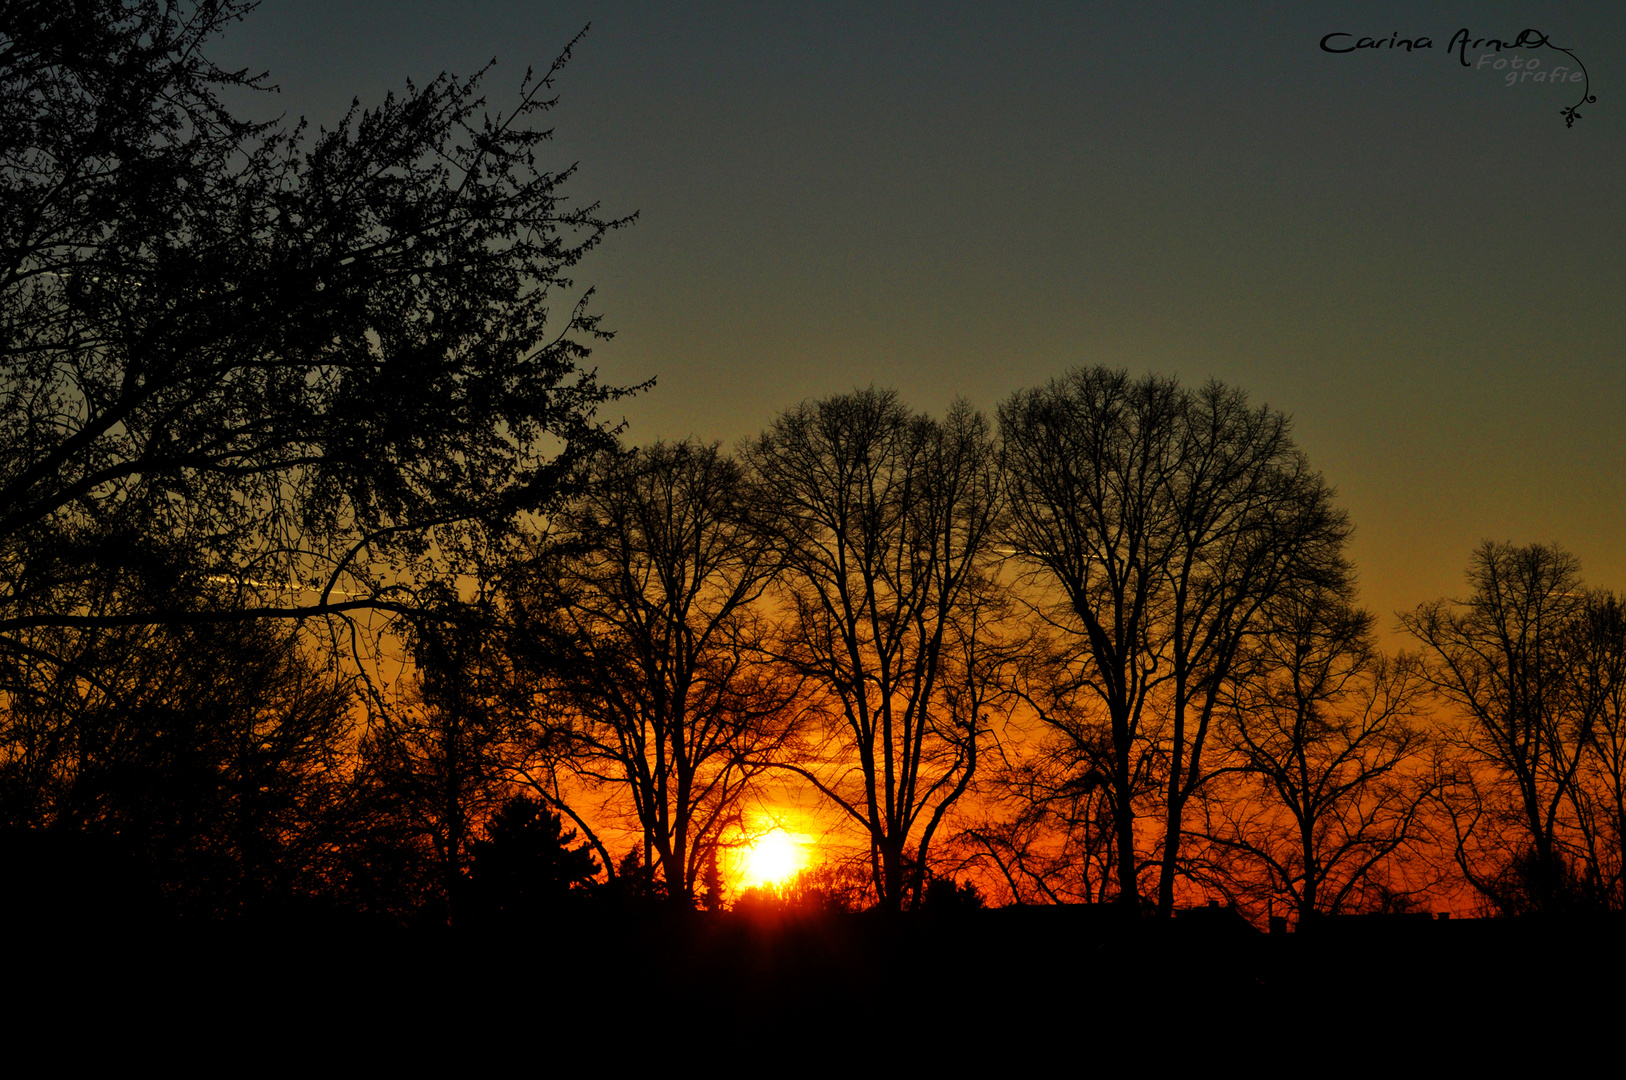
(773,859)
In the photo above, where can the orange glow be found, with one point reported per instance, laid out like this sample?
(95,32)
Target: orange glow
(772,859)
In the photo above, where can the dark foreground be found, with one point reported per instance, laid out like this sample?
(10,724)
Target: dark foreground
(1051,987)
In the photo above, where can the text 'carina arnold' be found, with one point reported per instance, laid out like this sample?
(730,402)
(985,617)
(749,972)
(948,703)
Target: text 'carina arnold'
(1393,41)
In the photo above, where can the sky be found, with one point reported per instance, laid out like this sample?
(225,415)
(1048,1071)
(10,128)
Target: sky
(1420,262)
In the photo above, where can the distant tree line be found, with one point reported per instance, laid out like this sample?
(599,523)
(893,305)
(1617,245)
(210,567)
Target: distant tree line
(322,587)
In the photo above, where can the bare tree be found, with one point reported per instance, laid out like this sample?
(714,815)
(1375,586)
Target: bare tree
(1601,795)
(1536,683)
(1335,769)
(885,519)
(1158,522)
(657,573)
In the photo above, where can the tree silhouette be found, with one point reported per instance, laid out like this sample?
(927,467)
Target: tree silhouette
(1533,662)
(525,867)
(308,374)
(653,583)
(247,372)
(441,758)
(946,896)
(885,518)
(216,754)
(711,897)
(1157,523)
(1334,768)
(1601,796)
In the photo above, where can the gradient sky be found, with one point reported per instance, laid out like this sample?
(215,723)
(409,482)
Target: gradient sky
(1418,262)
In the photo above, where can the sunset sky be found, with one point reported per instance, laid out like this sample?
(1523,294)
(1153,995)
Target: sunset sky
(1417,261)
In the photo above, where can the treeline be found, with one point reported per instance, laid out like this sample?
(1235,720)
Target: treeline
(323,586)
(1108,653)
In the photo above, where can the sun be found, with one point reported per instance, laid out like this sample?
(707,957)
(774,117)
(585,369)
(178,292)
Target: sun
(773,859)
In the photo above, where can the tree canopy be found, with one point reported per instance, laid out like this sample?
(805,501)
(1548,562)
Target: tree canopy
(249,370)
